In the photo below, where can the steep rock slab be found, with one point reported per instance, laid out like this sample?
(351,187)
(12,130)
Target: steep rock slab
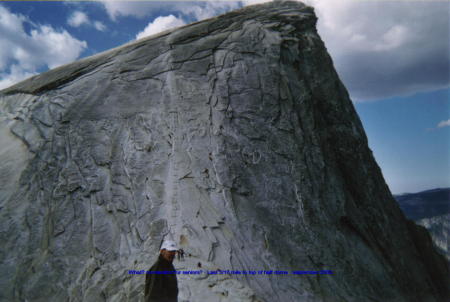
(235,137)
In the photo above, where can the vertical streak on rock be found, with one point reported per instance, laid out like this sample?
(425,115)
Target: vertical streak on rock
(171,181)
(91,229)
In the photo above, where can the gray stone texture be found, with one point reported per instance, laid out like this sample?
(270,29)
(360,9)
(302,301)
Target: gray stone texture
(233,136)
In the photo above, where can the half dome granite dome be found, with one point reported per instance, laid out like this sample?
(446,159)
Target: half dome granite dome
(232,136)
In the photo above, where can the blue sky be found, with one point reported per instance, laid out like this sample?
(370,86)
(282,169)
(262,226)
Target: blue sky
(393,57)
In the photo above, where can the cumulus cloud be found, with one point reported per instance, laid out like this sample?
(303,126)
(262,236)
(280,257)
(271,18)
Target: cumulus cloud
(444,124)
(77,19)
(55,48)
(99,26)
(15,74)
(22,54)
(160,24)
(138,9)
(208,9)
(199,10)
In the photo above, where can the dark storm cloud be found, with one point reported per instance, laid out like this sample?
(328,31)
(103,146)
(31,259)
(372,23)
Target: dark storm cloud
(383,49)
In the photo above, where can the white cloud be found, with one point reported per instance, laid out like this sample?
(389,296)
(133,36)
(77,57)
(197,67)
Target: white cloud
(160,24)
(57,48)
(138,9)
(16,74)
(77,19)
(207,9)
(99,26)
(444,124)
(22,54)
(197,9)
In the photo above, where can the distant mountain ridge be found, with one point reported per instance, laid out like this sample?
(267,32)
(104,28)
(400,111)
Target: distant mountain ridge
(425,204)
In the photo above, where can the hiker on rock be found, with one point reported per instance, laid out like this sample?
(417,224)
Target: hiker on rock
(161,280)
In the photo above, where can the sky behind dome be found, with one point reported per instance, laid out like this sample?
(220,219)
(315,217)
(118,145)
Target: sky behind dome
(393,57)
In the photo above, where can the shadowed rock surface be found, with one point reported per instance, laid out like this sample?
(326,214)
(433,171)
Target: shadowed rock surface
(235,137)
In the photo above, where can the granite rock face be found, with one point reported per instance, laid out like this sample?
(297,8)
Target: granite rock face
(233,136)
